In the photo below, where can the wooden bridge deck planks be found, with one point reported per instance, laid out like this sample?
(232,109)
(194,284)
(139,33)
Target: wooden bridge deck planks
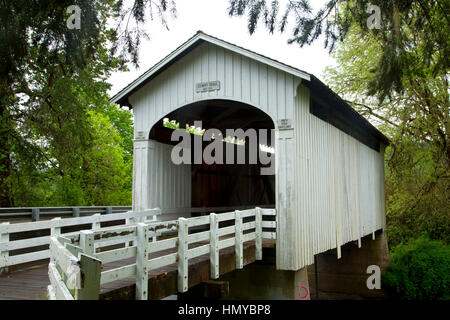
(31,283)
(27,284)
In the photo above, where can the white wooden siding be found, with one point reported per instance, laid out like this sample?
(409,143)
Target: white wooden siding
(241,79)
(158,182)
(339,186)
(170,183)
(285,197)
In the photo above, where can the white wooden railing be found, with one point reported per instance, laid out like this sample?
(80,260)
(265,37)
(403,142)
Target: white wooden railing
(93,222)
(82,249)
(37,244)
(37,213)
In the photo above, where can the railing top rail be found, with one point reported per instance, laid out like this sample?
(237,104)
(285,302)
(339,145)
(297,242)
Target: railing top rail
(38,225)
(154,226)
(60,208)
(11,212)
(18,212)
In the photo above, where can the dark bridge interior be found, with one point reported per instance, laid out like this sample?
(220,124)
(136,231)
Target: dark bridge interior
(223,185)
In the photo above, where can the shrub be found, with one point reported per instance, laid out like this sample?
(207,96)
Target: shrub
(418,270)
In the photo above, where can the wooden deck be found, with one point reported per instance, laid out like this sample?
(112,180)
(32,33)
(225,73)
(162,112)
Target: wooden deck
(31,283)
(27,284)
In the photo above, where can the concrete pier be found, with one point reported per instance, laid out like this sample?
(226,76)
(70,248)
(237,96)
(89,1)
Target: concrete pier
(346,278)
(260,280)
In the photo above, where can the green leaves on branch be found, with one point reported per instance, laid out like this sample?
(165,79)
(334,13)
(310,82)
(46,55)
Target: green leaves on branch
(51,79)
(412,33)
(130,25)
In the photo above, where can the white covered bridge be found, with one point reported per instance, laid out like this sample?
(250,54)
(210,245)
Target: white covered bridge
(321,190)
(328,188)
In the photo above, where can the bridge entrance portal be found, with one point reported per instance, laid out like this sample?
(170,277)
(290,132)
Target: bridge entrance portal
(242,172)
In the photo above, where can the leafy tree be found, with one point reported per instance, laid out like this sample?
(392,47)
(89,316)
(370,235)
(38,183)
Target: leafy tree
(122,121)
(105,176)
(402,23)
(98,173)
(51,76)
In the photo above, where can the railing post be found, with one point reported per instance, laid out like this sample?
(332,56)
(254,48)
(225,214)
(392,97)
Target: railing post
(128,243)
(258,233)
(35,213)
(75,212)
(108,210)
(4,253)
(142,262)
(91,273)
(238,240)
(96,224)
(131,220)
(55,231)
(182,255)
(155,218)
(214,246)
(87,242)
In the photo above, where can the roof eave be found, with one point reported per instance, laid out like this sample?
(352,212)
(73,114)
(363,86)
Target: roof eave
(122,96)
(334,96)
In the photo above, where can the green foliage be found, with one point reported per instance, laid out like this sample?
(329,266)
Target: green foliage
(122,121)
(100,175)
(50,77)
(105,176)
(402,23)
(195,130)
(419,270)
(57,129)
(172,124)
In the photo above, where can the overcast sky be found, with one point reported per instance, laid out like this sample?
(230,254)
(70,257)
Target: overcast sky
(211,16)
